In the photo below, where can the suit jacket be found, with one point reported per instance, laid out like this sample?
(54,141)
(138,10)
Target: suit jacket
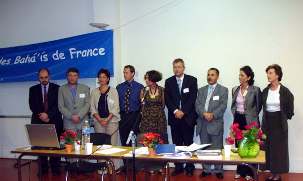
(112,103)
(36,106)
(217,105)
(286,106)
(252,104)
(68,106)
(188,97)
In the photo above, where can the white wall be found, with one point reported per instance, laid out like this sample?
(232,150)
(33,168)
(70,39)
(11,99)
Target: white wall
(109,12)
(33,21)
(226,34)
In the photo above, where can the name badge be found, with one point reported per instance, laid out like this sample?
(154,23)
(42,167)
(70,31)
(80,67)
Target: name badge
(186,90)
(82,95)
(216,98)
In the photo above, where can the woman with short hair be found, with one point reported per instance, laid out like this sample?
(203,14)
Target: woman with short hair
(153,115)
(105,107)
(278,107)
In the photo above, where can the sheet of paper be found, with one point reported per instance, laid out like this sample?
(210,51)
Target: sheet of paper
(28,148)
(102,147)
(138,151)
(110,151)
(183,155)
(141,151)
(192,147)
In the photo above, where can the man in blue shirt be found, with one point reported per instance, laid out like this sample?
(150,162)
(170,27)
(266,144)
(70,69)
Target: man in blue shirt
(129,99)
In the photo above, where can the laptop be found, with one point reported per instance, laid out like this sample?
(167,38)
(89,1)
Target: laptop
(42,136)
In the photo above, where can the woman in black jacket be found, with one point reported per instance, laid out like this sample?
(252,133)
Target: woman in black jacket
(278,107)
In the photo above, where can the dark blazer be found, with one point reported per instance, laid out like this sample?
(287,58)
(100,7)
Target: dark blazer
(286,105)
(36,106)
(252,104)
(188,99)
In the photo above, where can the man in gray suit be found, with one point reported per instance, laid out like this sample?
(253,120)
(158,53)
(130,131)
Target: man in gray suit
(211,104)
(73,101)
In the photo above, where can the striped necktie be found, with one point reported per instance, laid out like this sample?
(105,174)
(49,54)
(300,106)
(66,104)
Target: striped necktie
(209,95)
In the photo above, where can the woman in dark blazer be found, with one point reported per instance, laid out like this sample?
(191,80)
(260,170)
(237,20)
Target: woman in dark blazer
(278,107)
(246,106)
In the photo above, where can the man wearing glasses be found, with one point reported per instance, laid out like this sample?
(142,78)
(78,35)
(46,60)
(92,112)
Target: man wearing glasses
(43,102)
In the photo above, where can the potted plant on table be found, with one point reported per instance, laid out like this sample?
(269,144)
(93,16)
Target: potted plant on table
(151,140)
(248,140)
(69,137)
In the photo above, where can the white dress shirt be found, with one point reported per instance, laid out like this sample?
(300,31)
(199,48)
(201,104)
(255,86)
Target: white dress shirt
(273,100)
(179,83)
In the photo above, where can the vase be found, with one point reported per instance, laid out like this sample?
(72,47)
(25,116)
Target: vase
(248,148)
(68,148)
(151,151)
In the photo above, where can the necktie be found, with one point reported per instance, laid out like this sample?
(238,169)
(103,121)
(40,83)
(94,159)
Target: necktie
(211,88)
(209,94)
(45,99)
(179,82)
(126,98)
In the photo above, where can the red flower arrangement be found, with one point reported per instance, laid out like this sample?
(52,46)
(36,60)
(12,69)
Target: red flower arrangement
(252,133)
(151,140)
(69,137)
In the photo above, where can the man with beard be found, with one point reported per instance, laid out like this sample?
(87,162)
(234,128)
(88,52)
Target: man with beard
(43,102)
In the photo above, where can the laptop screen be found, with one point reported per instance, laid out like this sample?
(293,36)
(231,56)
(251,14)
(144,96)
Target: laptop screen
(42,135)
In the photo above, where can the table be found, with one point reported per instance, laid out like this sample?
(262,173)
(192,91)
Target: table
(26,151)
(234,159)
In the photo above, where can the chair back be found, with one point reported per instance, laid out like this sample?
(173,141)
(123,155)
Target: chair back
(100,139)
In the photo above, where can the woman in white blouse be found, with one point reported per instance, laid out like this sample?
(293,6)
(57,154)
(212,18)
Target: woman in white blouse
(246,106)
(278,107)
(105,107)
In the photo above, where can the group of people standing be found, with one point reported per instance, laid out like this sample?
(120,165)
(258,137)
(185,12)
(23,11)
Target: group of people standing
(132,106)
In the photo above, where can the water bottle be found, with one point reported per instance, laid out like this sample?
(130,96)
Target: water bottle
(85,133)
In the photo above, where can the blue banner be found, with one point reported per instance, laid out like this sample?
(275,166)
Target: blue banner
(88,53)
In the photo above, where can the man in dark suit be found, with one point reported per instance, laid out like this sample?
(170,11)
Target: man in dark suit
(180,96)
(43,102)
